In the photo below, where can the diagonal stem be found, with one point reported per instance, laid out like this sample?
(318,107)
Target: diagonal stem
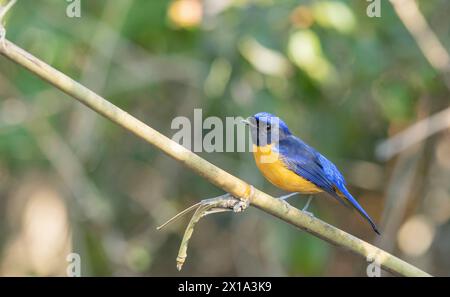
(210,172)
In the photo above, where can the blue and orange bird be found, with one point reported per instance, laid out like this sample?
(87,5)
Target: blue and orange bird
(292,165)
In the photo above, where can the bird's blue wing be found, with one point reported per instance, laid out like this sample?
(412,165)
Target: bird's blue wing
(310,164)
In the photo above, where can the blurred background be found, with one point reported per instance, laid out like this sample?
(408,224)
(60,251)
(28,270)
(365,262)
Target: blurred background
(372,94)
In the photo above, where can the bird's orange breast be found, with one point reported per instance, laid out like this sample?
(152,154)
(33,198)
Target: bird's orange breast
(273,168)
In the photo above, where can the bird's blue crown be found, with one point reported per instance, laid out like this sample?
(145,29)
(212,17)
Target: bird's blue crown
(269,119)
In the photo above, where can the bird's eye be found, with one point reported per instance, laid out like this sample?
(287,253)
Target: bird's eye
(268,127)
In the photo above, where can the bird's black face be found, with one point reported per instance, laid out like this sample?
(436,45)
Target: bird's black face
(267,129)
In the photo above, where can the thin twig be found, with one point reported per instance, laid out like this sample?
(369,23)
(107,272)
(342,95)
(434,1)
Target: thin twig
(179,215)
(4,9)
(206,207)
(222,179)
(414,134)
(409,13)
(432,48)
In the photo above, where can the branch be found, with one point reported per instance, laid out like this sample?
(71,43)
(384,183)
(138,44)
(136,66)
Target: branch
(222,179)
(413,135)
(205,207)
(409,13)
(434,51)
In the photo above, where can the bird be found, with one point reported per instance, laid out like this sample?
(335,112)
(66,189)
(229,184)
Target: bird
(293,166)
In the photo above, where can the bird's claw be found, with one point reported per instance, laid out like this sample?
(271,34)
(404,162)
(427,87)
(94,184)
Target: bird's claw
(241,205)
(286,204)
(309,213)
(244,201)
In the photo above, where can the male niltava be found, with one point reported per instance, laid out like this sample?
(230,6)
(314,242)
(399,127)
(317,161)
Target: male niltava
(292,165)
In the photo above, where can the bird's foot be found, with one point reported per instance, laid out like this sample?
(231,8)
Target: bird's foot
(309,213)
(287,196)
(305,208)
(244,202)
(286,204)
(241,205)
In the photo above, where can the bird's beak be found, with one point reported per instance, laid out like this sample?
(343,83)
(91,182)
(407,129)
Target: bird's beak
(247,122)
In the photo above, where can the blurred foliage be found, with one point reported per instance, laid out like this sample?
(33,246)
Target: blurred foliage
(343,82)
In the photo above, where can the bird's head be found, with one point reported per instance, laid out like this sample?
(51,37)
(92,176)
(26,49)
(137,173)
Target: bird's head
(266,128)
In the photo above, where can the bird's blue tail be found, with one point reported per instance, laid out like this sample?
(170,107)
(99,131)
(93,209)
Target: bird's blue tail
(348,197)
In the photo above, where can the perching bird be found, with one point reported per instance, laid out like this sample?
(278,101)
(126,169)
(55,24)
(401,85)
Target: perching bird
(292,165)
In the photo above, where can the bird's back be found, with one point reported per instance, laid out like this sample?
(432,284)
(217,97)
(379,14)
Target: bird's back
(309,163)
(314,167)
